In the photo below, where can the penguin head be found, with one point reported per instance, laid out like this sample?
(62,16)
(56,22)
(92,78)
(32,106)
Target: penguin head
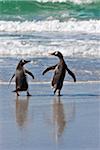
(23,62)
(58,54)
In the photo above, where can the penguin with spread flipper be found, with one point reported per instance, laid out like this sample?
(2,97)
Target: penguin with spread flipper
(21,77)
(59,72)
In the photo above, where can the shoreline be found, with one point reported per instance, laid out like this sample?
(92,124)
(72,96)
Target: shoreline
(48,82)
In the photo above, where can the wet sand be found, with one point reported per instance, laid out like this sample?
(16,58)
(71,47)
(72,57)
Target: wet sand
(48,122)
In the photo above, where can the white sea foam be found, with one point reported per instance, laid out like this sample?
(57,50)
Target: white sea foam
(60,1)
(91,26)
(40,46)
(68,48)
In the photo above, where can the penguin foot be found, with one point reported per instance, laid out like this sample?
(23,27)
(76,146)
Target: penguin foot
(58,93)
(28,94)
(17,94)
(54,91)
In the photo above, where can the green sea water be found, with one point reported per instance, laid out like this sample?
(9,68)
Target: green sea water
(31,9)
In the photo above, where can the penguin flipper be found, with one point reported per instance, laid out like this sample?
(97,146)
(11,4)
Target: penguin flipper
(48,69)
(28,72)
(71,73)
(11,78)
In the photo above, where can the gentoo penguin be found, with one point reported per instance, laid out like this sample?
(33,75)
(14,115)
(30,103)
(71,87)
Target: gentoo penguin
(59,72)
(21,78)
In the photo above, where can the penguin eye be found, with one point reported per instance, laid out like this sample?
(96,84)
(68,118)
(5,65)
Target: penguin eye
(23,61)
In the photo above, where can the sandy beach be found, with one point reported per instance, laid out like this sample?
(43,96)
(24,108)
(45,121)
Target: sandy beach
(47,122)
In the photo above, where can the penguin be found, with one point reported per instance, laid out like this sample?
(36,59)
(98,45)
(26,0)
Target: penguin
(21,77)
(59,72)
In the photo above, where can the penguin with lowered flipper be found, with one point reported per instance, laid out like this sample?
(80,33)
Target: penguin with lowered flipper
(21,78)
(59,72)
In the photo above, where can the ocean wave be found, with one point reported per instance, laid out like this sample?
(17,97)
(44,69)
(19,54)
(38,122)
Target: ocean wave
(54,1)
(91,26)
(71,48)
(61,1)
(73,38)
(41,9)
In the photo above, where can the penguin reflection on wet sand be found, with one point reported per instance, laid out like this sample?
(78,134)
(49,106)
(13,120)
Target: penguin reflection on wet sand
(59,118)
(21,78)
(59,72)
(22,110)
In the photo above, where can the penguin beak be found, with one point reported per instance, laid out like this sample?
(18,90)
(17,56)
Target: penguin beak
(27,61)
(52,53)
